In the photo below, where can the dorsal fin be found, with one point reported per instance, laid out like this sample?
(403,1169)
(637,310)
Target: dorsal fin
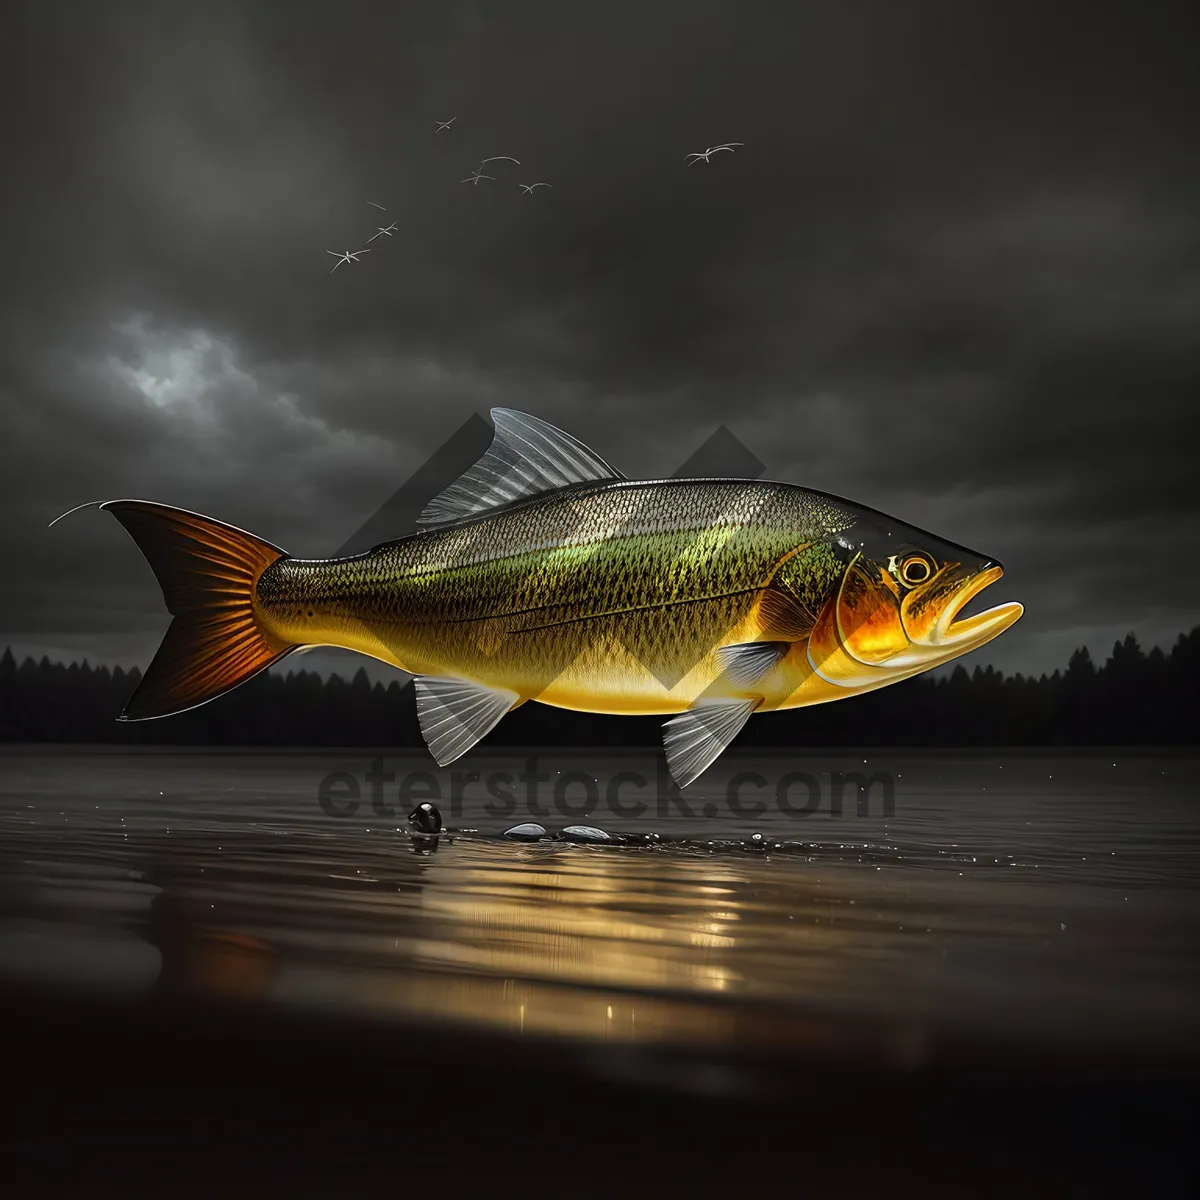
(527,457)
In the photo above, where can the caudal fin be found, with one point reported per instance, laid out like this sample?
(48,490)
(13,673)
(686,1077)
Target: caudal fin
(207,572)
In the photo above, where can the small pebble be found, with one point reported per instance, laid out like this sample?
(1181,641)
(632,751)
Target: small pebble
(528,832)
(585,833)
(426,818)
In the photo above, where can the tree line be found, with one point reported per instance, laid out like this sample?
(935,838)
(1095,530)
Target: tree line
(1133,698)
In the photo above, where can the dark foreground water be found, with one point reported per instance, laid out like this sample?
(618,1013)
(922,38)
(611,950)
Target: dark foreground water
(1001,900)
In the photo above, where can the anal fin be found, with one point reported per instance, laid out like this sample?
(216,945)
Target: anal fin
(695,739)
(455,714)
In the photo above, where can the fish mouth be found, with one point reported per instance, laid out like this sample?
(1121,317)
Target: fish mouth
(949,636)
(953,630)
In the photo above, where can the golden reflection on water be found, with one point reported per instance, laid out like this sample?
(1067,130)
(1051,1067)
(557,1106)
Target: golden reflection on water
(518,1007)
(595,920)
(628,947)
(606,945)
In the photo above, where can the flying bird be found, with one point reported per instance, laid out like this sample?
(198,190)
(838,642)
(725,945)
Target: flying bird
(378,206)
(707,154)
(347,256)
(544,574)
(389,231)
(445,124)
(475,178)
(498,158)
(528,187)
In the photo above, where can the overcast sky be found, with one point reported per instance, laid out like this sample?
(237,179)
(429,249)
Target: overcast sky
(953,274)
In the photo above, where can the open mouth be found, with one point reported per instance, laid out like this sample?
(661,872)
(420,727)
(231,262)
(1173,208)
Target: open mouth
(953,629)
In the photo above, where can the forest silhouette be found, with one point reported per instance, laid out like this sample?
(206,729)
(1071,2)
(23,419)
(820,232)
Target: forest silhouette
(1134,698)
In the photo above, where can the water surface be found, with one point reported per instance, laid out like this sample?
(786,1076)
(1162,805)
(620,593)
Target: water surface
(1033,900)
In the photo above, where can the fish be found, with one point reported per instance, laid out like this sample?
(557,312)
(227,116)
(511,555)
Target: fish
(544,574)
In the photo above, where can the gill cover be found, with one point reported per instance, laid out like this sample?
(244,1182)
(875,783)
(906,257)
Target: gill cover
(860,627)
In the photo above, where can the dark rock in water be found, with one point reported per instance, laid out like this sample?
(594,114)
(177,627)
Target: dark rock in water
(426,818)
(586,833)
(757,842)
(525,833)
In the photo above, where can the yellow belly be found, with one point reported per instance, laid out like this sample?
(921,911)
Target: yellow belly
(605,676)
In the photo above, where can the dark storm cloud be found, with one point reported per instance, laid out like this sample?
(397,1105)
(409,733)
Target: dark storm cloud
(953,274)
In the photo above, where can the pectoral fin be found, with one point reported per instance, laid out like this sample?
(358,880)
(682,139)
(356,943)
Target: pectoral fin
(455,714)
(695,739)
(747,663)
(781,616)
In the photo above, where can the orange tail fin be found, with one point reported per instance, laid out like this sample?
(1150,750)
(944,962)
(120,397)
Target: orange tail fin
(207,572)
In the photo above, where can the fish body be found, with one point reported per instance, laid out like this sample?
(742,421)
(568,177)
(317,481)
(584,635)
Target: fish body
(545,575)
(609,599)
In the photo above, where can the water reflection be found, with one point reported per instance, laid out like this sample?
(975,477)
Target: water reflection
(199,958)
(626,945)
(608,919)
(1004,921)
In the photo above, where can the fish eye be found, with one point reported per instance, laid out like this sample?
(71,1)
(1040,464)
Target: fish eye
(916,569)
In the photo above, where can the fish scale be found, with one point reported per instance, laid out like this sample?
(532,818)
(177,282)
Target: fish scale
(662,568)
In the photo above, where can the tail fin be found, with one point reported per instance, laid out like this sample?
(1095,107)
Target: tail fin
(207,572)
